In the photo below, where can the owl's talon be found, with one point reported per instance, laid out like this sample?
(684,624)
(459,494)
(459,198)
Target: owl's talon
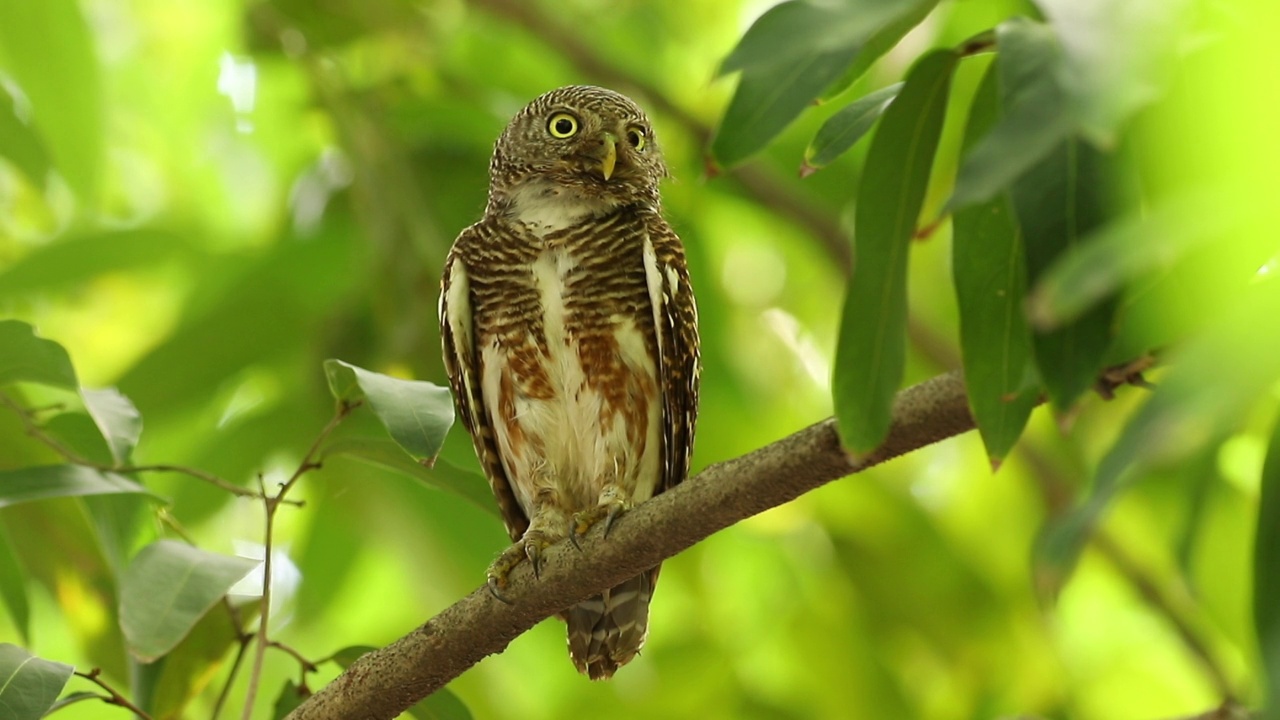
(615,511)
(493,584)
(587,519)
(534,552)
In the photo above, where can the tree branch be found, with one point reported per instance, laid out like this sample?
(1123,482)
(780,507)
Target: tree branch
(385,682)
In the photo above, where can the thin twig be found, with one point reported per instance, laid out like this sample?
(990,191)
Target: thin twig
(38,433)
(94,676)
(307,665)
(236,664)
(271,503)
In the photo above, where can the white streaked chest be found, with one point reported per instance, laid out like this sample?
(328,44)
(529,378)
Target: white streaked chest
(593,428)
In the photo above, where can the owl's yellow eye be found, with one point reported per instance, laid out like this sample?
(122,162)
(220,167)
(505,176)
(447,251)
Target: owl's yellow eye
(635,136)
(562,125)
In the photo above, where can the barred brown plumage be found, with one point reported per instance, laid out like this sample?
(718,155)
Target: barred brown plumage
(571,342)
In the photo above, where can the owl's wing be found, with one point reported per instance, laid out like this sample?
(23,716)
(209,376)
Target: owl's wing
(462,361)
(676,319)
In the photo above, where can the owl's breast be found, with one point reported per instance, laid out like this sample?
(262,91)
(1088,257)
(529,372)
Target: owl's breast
(578,400)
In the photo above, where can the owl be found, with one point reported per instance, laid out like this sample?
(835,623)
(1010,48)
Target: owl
(571,341)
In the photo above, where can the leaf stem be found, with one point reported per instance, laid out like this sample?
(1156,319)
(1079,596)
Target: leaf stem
(38,433)
(94,676)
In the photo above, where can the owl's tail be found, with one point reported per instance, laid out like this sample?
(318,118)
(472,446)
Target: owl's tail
(606,631)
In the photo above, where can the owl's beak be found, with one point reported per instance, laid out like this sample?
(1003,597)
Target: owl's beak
(610,157)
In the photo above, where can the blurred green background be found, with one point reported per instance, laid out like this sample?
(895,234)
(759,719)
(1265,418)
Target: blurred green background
(245,188)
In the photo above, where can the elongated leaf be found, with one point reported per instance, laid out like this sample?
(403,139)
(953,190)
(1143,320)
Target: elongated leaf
(1266,574)
(117,418)
(25,357)
(1034,119)
(13,586)
(442,474)
(59,551)
(186,670)
(1058,202)
(20,144)
(439,705)
(1118,254)
(786,32)
(796,52)
(51,481)
(769,98)
(910,13)
(1188,410)
(48,49)
(990,278)
(29,685)
(289,698)
(417,414)
(871,349)
(66,265)
(296,280)
(843,130)
(167,588)
(1118,57)
(72,699)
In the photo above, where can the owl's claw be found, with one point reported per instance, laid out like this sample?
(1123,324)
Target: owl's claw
(528,548)
(493,584)
(587,519)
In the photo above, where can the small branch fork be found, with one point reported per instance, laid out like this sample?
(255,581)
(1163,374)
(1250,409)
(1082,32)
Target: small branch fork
(33,429)
(112,697)
(271,503)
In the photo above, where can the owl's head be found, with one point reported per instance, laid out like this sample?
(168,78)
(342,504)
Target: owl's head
(578,145)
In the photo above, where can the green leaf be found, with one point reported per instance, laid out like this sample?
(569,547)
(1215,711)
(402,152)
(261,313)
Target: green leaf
(871,350)
(72,699)
(29,685)
(24,357)
(190,667)
(1266,574)
(291,696)
(1118,57)
(1122,252)
(299,281)
(440,705)
(442,474)
(167,588)
(843,130)
(909,15)
(117,418)
(1187,411)
(1058,202)
(788,31)
(47,48)
(13,586)
(19,143)
(77,432)
(51,481)
(990,278)
(769,98)
(348,655)
(1035,116)
(796,52)
(416,413)
(67,264)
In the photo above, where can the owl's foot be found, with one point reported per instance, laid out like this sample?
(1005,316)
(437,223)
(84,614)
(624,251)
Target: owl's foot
(608,511)
(528,548)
